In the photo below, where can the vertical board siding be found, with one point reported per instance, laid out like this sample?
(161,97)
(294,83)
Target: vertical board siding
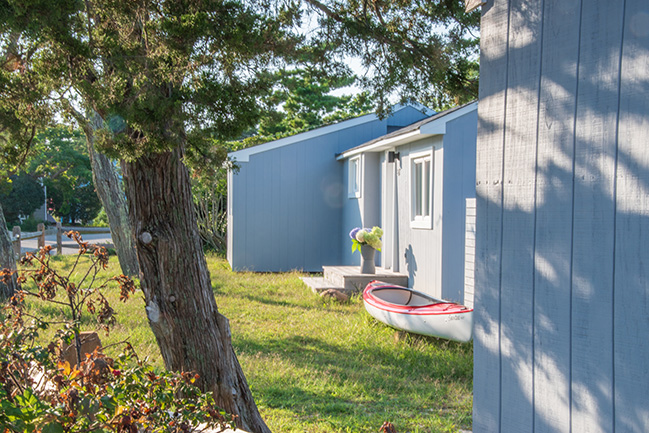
(519,159)
(351,219)
(420,250)
(491,110)
(469,252)
(562,316)
(230,220)
(631,305)
(275,209)
(405,117)
(553,237)
(594,214)
(286,204)
(458,185)
(287,201)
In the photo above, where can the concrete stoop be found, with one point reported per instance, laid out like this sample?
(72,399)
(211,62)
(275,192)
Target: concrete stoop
(348,279)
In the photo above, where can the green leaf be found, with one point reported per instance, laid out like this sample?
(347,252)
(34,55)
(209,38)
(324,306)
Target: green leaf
(53,427)
(109,403)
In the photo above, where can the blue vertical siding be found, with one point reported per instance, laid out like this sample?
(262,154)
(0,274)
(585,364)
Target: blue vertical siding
(553,270)
(459,184)
(287,202)
(420,250)
(363,211)
(630,286)
(351,218)
(562,176)
(407,116)
(291,214)
(433,258)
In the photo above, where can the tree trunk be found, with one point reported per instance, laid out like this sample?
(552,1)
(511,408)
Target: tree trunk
(112,197)
(7,259)
(190,331)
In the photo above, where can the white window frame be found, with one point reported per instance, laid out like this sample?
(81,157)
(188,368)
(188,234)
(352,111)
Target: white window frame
(354,177)
(421,218)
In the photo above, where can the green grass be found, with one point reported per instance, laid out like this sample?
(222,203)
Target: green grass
(316,366)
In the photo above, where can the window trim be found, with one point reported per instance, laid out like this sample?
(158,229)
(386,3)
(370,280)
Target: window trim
(358,178)
(421,221)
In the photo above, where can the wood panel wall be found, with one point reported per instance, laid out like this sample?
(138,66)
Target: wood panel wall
(562,273)
(469,252)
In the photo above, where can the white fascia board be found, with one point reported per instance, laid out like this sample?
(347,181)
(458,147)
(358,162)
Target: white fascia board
(383,144)
(435,127)
(243,155)
(438,126)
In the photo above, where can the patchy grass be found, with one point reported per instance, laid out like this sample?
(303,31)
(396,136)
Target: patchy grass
(316,366)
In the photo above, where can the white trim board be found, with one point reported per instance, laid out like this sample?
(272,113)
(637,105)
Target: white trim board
(243,155)
(434,127)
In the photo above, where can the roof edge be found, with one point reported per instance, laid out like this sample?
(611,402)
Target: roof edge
(243,155)
(434,125)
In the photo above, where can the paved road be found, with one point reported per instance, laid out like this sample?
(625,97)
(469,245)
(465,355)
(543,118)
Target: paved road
(69,245)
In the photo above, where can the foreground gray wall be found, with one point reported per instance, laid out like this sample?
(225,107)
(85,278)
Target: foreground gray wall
(561,285)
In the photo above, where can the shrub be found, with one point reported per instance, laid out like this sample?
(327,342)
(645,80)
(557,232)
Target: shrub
(101,220)
(30,224)
(41,393)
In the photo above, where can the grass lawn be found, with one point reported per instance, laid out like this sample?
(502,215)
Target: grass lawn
(316,366)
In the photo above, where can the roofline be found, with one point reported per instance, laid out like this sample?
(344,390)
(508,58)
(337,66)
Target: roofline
(426,129)
(243,155)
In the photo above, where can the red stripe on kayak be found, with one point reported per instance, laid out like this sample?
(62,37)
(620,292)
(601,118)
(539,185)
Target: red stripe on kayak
(440,308)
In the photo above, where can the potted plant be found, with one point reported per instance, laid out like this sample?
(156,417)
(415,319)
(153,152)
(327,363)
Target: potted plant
(367,242)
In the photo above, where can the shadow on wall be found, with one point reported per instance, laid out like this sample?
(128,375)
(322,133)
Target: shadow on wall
(563,210)
(411,263)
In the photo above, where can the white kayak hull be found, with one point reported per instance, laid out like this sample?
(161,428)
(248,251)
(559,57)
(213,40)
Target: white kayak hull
(412,311)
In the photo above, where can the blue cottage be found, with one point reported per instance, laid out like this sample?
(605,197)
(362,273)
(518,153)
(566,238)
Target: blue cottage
(285,200)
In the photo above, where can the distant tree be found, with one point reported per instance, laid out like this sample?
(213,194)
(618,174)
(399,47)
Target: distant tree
(302,101)
(61,160)
(79,205)
(7,259)
(20,195)
(421,50)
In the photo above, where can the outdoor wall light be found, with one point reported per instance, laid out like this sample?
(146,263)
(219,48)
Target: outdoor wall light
(393,155)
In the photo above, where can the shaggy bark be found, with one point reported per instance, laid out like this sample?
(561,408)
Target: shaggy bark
(7,259)
(108,189)
(190,331)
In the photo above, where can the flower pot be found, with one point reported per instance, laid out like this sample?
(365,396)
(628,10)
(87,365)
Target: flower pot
(367,260)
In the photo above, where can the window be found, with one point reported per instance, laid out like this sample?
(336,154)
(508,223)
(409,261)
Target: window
(421,188)
(354,181)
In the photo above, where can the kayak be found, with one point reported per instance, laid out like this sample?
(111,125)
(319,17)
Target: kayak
(413,311)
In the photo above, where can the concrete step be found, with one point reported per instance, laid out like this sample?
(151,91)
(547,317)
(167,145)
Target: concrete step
(319,284)
(351,279)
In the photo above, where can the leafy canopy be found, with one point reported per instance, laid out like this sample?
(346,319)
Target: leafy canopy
(174,73)
(421,50)
(61,161)
(161,74)
(20,196)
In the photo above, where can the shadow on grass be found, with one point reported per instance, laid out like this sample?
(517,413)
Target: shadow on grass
(371,369)
(269,299)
